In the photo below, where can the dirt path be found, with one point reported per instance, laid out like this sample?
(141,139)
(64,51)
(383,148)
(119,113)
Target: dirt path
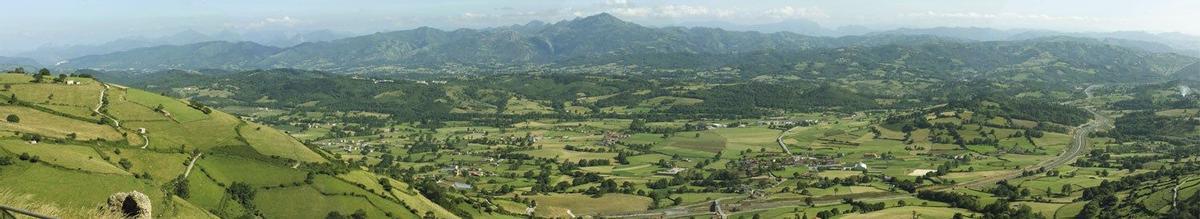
(100,104)
(145,140)
(1079,141)
(191,164)
(117,123)
(780,140)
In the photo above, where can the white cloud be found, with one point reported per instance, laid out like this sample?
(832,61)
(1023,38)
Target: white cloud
(472,15)
(1006,15)
(671,11)
(786,12)
(617,2)
(284,21)
(287,20)
(632,12)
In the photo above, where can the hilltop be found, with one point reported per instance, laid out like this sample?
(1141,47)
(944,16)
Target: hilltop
(71,141)
(604,39)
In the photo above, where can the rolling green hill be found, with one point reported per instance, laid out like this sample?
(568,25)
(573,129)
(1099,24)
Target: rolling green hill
(66,161)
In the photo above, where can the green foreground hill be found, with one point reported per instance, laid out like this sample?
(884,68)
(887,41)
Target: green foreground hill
(69,142)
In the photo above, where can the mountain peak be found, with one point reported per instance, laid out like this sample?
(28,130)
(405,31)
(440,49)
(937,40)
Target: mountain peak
(599,19)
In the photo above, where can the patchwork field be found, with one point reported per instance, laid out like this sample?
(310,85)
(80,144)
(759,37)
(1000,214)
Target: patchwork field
(72,189)
(47,124)
(270,141)
(584,205)
(66,156)
(229,169)
(218,130)
(76,100)
(177,109)
(910,212)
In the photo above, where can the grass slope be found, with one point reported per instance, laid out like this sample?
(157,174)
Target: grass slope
(50,125)
(269,141)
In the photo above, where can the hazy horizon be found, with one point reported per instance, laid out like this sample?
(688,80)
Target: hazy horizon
(63,22)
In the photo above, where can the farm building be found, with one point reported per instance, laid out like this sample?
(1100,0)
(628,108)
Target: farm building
(672,171)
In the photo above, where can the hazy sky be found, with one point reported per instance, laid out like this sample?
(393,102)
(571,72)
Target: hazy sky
(29,24)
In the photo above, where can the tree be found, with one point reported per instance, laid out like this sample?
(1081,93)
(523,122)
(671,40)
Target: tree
(125,163)
(242,193)
(359,214)
(334,215)
(13,118)
(387,185)
(44,72)
(1066,189)
(181,187)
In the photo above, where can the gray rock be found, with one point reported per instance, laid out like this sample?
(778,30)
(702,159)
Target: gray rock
(132,204)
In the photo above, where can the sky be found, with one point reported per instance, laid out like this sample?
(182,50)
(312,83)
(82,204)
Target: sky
(30,24)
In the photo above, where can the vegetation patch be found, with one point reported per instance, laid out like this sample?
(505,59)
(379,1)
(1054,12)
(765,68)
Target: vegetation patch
(50,125)
(269,141)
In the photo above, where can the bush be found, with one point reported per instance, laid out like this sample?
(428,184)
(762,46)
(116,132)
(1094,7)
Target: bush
(13,119)
(242,193)
(125,163)
(181,188)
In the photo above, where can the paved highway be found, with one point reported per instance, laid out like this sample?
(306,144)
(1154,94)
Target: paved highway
(1079,141)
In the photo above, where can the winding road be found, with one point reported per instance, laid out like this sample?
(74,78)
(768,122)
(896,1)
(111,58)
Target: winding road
(191,164)
(1079,141)
(780,140)
(100,104)
(116,123)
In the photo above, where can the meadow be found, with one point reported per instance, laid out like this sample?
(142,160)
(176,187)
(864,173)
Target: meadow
(71,157)
(178,110)
(228,169)
(51,125)
(269,141)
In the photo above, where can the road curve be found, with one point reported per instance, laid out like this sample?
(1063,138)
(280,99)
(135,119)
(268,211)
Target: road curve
(116,123)
(1079,141)
(780,140)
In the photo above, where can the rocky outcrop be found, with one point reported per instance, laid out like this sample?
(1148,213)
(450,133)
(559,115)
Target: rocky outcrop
(132,204)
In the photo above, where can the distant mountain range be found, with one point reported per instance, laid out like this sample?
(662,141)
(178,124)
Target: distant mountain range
(799,26)
(51,55)
(1162,42)
(534,43)
(596,39)
(8,63)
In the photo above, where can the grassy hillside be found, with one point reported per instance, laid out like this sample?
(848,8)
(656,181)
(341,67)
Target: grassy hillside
(66,147)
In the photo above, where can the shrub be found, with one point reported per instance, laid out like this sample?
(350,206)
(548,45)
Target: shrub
(13,119)
(125,163)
